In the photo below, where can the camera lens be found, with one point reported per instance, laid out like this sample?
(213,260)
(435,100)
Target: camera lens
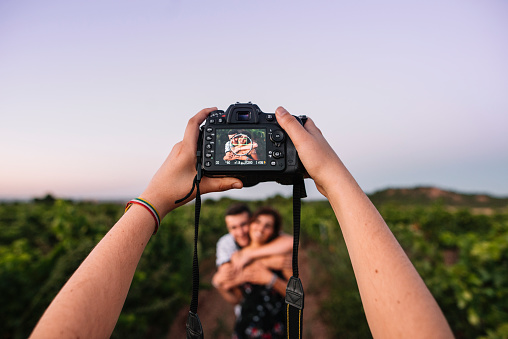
(243,115)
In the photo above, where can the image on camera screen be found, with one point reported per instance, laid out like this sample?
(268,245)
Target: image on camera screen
(244,146)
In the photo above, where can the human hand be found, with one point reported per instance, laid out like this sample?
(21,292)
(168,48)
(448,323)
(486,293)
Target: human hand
(240,258)
(278,262)
(174,178)
(256,273)
(317,156)
(224,277)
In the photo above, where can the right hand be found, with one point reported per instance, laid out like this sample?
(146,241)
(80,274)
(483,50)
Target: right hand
(174,178)
(224,277)
(318,157)
(256,273)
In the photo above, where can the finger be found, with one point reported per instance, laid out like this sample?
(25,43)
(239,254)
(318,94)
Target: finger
(219,184)
(311,127)
(192,129)
(293,128)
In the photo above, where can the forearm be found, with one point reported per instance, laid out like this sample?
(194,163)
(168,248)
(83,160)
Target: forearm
(397,302)
(232,296)
(89,304)
(280,245)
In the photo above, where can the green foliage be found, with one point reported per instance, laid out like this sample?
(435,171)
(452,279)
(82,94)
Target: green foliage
(461,256)
(41,244)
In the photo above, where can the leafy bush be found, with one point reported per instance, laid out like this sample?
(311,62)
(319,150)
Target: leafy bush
(461,256)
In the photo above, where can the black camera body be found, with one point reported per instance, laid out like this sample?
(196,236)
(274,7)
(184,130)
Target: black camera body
(248,144)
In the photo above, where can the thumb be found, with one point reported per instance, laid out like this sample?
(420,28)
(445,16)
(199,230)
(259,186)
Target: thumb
(219,184)
(289,123)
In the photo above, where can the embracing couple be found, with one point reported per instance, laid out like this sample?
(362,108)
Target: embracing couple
(253,268)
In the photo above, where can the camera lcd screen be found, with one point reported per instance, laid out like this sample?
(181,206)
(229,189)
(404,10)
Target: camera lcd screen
(240,146)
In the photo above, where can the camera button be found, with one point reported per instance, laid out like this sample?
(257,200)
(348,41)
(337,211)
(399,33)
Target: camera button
(273,163)
(209,129)
(277,154)
(212,121)
(277,136)
(208,163)
(220,120)
(208,146)
(208,155)
(270,117)
(209,138)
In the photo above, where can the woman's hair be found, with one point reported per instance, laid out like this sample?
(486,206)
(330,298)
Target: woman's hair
(277,219)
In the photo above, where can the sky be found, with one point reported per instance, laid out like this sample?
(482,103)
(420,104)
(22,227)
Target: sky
(94,94)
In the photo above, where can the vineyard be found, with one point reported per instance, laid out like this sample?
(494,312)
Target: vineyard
(460,250)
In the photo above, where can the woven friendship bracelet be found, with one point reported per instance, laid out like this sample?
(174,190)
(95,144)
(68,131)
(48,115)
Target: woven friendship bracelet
(149,207)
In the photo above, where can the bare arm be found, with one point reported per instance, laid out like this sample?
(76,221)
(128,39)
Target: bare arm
(397,302)
(89,304)
(278,262)
(281,245)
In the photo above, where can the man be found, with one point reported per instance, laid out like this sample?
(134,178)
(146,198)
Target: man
(237,223)
(230,256)
(233,138)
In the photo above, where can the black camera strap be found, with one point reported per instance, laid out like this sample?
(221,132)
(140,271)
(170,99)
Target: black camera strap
(194,327)
(294,289)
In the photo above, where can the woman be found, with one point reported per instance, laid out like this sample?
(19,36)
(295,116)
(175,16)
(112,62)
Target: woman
(259,290)
(241,147)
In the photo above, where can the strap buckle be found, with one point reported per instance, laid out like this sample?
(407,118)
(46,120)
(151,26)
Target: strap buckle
(194,328)
(294,293)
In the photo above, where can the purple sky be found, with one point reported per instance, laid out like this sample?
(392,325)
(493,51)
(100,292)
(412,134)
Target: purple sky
(93,94)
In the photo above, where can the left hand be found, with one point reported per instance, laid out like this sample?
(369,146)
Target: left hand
(174,178)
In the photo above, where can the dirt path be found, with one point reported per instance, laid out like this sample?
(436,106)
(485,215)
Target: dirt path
(217,316)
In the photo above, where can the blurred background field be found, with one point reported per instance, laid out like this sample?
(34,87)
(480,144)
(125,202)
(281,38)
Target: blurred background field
(458,243)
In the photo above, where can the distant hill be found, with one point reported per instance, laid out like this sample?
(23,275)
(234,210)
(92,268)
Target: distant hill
(430,195)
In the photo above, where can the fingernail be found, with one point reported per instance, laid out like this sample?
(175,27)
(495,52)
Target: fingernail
(281,111)
(237,185)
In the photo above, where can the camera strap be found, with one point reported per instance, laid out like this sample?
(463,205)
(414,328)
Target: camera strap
(294,289)
(193,326)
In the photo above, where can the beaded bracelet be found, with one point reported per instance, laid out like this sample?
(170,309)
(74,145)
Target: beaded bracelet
(149,207)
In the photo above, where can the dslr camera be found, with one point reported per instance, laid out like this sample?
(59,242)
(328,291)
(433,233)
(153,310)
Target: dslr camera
(248,144)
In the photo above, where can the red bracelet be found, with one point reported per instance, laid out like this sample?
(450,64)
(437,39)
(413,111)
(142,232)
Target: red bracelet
(150,208)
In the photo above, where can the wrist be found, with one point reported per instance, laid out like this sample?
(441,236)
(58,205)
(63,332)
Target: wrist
(163,204)
(150,208)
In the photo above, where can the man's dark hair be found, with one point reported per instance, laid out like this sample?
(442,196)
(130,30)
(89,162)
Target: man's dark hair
(277,219)
(238,209)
